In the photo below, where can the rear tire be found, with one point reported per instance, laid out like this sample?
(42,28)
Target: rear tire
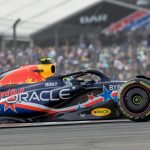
(134,100)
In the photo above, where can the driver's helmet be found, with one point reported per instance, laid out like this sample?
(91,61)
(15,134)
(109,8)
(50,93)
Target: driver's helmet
(68,80)
(46,60)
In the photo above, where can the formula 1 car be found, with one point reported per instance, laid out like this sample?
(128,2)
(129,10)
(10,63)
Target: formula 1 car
(134,99)
(32,93)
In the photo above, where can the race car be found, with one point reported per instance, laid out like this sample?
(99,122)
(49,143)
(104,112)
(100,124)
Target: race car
(134,99)
(33,93)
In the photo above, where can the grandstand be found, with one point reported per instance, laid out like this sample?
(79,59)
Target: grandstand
(109,35)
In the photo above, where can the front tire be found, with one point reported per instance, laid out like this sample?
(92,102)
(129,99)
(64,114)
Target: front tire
(134,100)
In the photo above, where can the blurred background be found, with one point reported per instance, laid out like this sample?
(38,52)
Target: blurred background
(109,35)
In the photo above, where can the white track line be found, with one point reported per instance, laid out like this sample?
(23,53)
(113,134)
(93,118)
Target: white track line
(15,125)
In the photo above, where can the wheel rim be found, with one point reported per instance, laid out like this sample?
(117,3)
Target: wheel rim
(136,100)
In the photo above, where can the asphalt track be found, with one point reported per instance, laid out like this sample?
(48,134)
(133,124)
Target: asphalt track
(101,136)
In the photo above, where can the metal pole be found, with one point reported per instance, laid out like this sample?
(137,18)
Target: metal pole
(3,43)
(14,34)
(56,38)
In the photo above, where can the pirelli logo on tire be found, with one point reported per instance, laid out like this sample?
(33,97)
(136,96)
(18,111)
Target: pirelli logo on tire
(101,112)
(145,84)
(124,86)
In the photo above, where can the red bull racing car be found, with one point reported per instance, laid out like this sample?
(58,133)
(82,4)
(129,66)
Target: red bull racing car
(32,93)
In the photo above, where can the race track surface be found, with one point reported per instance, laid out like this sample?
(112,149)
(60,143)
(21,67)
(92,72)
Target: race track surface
(102,136)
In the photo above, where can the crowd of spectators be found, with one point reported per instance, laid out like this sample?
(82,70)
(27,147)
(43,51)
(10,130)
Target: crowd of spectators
(143,3)
(119,61)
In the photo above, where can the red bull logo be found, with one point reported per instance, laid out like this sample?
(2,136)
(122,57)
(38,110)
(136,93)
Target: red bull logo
(28,74)
(11,92)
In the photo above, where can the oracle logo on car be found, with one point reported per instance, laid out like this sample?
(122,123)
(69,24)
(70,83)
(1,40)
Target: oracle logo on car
(41,96)
(101,112)
(34,97)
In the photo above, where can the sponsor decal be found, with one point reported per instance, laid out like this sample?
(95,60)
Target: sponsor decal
(51,84)
(145,84)
(114,87)
(27,74)
(82,115)
(101,112)
(24,74)
(42,96)
(11,92)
